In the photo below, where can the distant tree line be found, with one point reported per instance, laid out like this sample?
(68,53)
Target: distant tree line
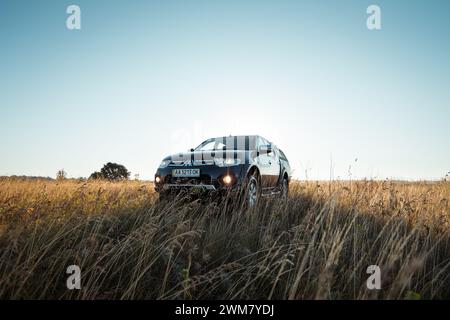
(110,171)
(25,178)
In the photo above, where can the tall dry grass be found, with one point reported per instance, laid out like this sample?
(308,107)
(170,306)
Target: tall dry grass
(318,245)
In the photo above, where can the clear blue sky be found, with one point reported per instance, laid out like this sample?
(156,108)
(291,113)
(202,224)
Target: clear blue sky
(143,79)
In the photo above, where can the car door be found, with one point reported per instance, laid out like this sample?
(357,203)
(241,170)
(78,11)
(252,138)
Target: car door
(273,167)
(264,164)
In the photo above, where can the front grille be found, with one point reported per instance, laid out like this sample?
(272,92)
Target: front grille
(203,179)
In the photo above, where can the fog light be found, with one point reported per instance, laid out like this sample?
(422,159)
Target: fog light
(227,179)
(157,179)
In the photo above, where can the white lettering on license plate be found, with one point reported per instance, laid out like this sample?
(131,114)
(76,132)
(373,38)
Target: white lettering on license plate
(186,172)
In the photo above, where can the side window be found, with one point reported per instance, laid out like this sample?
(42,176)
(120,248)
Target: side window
(264,142)
(274,152)
(259,142)
(282,155)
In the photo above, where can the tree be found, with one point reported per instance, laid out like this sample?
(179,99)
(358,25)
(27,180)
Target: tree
(61,175)
(113,172)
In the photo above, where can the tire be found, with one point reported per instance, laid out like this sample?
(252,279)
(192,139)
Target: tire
(284,190)
(252,192)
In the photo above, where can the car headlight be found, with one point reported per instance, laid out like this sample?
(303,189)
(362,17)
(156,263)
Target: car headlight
(164,164)
(221,162)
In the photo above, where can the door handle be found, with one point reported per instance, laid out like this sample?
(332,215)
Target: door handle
(270,162)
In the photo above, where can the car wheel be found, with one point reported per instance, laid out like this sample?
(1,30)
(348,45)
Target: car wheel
(252,192)
(284,190)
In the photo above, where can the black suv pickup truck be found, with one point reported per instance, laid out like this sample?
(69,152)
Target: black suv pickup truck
(248,164)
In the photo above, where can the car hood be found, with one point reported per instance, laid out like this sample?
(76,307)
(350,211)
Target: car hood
(202,155)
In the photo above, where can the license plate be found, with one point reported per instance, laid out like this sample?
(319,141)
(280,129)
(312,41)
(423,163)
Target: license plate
(186,173)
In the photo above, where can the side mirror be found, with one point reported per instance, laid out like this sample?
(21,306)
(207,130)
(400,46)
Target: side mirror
(191,150)
(265,149)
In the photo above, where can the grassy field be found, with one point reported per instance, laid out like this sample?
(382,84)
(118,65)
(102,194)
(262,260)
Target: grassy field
(318,245)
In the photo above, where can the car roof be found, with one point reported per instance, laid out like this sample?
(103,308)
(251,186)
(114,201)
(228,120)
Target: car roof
(240,136)
(250,138)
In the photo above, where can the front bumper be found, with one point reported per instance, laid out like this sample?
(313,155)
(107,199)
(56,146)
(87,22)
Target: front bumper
(211,178)
(169,186)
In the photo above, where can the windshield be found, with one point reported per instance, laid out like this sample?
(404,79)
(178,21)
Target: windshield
(228,143)
(211,145)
